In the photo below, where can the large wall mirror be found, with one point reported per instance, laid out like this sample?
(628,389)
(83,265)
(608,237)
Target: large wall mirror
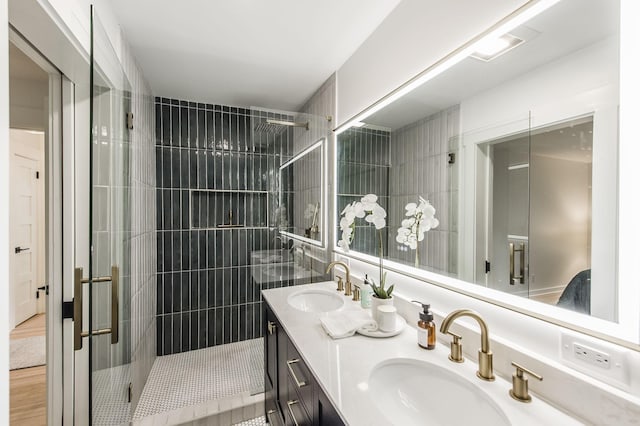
(515,147)
(302,182)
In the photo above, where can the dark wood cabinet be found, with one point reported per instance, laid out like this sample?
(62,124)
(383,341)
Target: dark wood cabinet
(292,395)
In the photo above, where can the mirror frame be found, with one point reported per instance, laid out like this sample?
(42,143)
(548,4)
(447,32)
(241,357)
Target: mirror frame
(319,144)
(624,332)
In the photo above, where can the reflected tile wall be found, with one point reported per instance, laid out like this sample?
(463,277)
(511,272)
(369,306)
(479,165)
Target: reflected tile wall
(209,162)
(420,158)
(364,161)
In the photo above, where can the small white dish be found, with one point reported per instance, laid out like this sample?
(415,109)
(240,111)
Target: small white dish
(400,323)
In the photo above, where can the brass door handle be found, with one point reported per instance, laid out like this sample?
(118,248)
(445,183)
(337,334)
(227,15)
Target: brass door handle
(78,281)
(520,390)
(299,383)
(512,251)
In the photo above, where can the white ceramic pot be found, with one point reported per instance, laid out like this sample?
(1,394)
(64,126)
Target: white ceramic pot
(375,302)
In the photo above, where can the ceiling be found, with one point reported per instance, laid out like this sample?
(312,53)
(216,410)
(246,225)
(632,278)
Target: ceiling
(565,28)
(274,54)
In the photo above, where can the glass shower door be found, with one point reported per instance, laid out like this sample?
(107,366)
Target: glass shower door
(109,328)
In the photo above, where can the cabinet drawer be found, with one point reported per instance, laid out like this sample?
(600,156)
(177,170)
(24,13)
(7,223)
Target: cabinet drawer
(296,414)
(301,379)
(274,418)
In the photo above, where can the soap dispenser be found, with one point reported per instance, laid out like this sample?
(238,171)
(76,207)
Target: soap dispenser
(426,328)
(365,293)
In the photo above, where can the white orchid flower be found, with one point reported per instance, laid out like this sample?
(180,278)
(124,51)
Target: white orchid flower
(420,219)
(370,198)
(368,209)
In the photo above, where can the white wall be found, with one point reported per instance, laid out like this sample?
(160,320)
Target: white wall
(4,212)
(27,106)
(414,36)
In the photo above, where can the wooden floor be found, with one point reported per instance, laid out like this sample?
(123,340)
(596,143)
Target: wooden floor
(28,388)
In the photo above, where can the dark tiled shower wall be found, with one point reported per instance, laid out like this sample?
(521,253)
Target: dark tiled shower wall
(209,161)
(363,168)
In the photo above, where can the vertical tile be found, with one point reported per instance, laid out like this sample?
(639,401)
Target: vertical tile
(176,333)
(211,327)
(167,296)
(186,331)
(184,127)
(194,250)
(186,249)
(194,322)
(202,329)
(159,335)
(219,325)
(176,292)
(194,302)
(175,126)
(185,288)
(211,289)
(227,334)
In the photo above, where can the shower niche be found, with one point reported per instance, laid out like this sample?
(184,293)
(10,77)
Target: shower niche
(212,209)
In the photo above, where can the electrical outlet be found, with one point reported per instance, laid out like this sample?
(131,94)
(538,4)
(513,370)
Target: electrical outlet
(604,361)
(591,356)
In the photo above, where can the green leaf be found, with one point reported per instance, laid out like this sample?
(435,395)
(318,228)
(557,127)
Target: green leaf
(390,290)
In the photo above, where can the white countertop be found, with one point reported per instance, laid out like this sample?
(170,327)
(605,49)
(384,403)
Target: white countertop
(342,367)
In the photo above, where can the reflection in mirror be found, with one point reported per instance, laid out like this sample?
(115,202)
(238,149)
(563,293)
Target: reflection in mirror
(517,153)
(301,195)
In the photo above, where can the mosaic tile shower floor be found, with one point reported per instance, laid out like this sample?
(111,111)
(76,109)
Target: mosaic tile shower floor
(197,377)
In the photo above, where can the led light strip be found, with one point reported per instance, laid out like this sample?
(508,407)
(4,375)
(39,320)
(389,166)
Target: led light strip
(517,18)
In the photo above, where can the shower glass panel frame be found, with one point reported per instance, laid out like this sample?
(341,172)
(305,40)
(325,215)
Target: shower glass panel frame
(110,234)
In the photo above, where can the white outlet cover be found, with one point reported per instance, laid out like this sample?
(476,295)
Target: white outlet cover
(618,373)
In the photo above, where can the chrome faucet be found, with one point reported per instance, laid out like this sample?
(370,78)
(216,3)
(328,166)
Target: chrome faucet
(347,289)
(485,357)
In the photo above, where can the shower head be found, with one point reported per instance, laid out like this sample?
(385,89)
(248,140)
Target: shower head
(276,127)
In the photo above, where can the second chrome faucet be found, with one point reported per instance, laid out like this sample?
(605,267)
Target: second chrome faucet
(485,357)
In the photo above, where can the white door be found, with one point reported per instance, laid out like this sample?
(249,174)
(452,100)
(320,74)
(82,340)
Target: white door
(24,207)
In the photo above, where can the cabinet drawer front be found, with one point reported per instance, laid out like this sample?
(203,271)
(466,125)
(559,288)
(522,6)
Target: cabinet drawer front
(297,414)
(274,418)
(301,380)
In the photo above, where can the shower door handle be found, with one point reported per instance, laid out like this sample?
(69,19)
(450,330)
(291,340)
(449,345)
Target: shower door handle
(78,281)
(512,266)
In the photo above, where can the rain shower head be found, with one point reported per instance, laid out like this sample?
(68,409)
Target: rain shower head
(276,127)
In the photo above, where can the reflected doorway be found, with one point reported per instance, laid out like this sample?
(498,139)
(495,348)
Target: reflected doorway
(539,214)
(30,117)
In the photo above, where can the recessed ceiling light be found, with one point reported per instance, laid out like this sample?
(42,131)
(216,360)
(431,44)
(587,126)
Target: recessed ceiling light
(492,48)
(359,124)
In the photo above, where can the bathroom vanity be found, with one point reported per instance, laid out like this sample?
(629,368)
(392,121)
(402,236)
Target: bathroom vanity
(313,379)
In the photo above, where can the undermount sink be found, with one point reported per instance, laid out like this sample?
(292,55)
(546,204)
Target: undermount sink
(412,392)
(316,301)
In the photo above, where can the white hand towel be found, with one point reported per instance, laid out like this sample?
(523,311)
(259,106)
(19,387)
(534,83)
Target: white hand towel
(344,324)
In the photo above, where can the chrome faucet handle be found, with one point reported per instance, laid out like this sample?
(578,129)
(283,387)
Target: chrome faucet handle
(356,294)
(456,348)
(340,284)
(520,389)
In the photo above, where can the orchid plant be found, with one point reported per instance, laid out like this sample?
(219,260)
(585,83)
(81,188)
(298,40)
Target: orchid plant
(420,219)
(369,210)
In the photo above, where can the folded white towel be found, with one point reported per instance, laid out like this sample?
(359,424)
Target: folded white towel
(344,324)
